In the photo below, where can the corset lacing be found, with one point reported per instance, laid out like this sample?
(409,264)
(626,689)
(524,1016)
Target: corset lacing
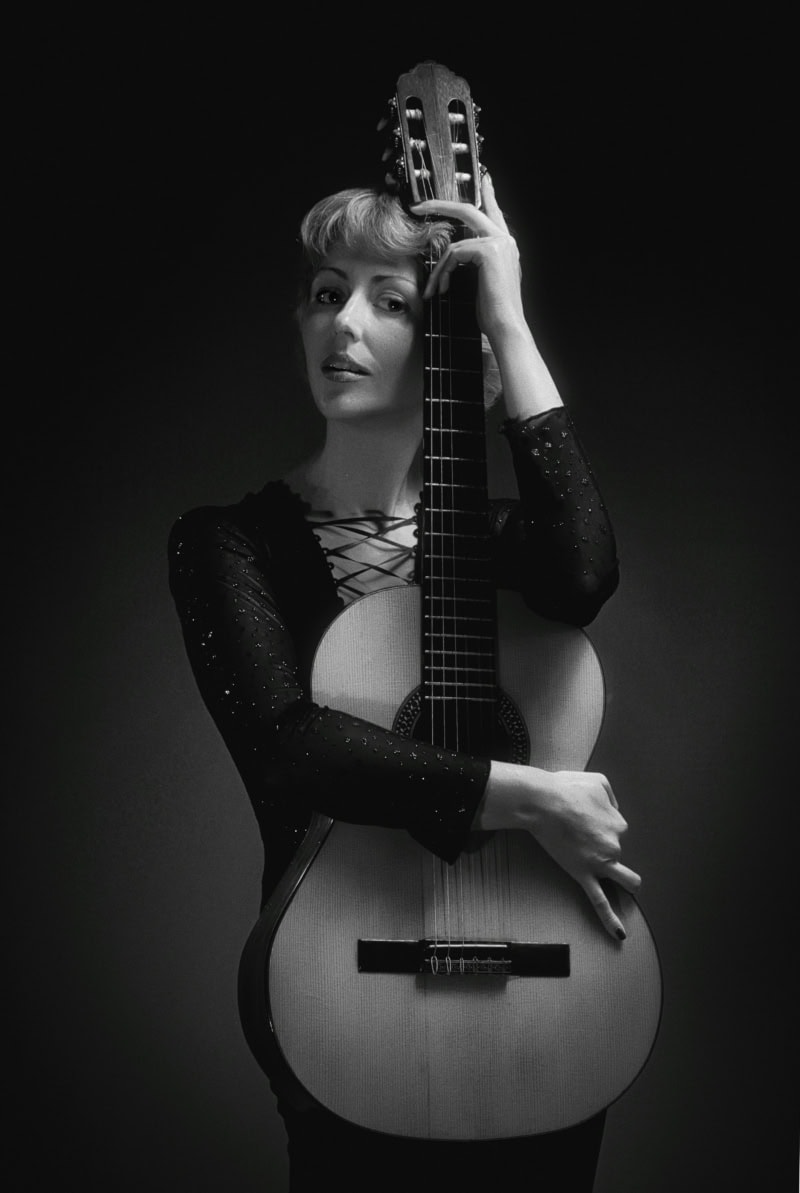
(366,553)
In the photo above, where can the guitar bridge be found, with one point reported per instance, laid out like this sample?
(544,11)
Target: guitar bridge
(464,958)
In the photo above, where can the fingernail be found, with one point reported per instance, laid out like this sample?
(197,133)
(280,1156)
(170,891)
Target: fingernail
(620,933)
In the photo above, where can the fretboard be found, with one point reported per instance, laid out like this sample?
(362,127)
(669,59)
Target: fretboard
(459,620)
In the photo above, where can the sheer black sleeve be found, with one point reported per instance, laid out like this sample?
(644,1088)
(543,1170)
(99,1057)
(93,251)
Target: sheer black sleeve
(556,544)
(247,648)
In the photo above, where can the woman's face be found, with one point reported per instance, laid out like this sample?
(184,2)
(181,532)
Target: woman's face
(362,336)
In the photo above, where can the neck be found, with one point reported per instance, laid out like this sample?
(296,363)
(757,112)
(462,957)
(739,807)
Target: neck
(364,467)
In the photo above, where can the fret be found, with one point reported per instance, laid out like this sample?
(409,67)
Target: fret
(454,668)
(436,650)
(460,637)
(464,576)
(471,584)
(453,369)
(463,689)
(455,431)
(438,548)
(449,338)
(448,485)
(480,669)
(460,634)
(453,459)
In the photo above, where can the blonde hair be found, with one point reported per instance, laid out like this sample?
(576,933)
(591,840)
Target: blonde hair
(375,223)
(372,222)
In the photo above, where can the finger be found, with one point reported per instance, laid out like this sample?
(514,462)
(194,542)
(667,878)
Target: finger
(475,219)
(460,252)
(603,909)
(624,876)
(609,791)
(490,205)
(439,278)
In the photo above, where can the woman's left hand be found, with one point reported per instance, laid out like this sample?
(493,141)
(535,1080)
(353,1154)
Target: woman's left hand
(492,250)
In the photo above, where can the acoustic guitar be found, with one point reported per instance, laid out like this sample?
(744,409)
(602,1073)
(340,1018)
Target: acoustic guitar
(483,999)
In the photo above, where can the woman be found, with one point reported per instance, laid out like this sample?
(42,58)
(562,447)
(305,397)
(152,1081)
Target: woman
(256,584)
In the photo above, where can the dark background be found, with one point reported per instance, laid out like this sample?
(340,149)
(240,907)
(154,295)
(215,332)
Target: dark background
(163,169)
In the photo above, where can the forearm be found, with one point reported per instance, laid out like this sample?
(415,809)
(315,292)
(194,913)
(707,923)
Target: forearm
(528,386)
(294,755)
(555,545)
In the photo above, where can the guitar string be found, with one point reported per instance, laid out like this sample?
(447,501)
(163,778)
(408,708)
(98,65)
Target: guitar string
(492,860)
(459,657)
(438,875)
(440,710)
(464,863)
(445,718)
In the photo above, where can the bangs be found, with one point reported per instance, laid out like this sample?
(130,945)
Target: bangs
(372,223)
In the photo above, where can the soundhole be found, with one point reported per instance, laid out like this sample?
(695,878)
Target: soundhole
(507,734)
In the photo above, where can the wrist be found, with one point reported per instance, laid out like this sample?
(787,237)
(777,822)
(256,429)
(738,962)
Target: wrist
(512,798)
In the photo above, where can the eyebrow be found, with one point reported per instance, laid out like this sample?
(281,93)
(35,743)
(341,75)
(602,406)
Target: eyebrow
(376,277)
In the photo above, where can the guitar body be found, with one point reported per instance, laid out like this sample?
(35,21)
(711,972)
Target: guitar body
(450,1055)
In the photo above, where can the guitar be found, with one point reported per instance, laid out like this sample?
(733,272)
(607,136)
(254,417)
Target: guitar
(479,1000)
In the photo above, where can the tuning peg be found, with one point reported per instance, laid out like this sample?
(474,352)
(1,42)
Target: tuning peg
(391,105)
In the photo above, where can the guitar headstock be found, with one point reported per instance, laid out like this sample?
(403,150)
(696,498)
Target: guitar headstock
(435,141)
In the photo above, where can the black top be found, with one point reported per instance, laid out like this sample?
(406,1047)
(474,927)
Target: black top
(254,594)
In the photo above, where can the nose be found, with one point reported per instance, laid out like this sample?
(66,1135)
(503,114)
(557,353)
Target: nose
(349,320)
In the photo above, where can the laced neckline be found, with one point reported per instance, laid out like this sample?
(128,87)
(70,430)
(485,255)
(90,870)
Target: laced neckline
(366,552)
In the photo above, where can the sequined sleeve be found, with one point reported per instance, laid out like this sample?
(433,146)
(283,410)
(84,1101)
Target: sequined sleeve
(555,545)
(245,628)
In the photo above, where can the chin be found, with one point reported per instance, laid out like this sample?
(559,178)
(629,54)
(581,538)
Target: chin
(352,407)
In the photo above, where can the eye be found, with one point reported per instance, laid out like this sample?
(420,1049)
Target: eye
(327,296)
(394,304)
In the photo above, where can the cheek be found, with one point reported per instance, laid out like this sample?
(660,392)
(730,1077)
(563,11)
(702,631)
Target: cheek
(308,341)
(408,349)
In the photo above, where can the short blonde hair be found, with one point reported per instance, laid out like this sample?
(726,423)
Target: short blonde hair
(371,222)
(375,223)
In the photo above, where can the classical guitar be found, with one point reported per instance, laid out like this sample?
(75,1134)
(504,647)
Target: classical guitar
(483,999)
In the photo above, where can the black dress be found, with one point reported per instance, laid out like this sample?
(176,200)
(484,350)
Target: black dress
(254,594)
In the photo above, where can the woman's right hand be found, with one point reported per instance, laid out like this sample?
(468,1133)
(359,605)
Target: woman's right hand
(574,816)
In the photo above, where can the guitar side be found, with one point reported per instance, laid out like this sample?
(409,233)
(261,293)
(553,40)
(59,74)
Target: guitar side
(461,1057)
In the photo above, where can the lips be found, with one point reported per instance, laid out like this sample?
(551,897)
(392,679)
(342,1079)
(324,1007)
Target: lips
(340,366)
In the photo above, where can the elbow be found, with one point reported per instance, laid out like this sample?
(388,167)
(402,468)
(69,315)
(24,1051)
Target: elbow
(577,603)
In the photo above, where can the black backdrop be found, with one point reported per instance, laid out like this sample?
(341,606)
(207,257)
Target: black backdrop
(163,168)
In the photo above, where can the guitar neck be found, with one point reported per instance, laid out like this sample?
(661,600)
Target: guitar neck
(459,618)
